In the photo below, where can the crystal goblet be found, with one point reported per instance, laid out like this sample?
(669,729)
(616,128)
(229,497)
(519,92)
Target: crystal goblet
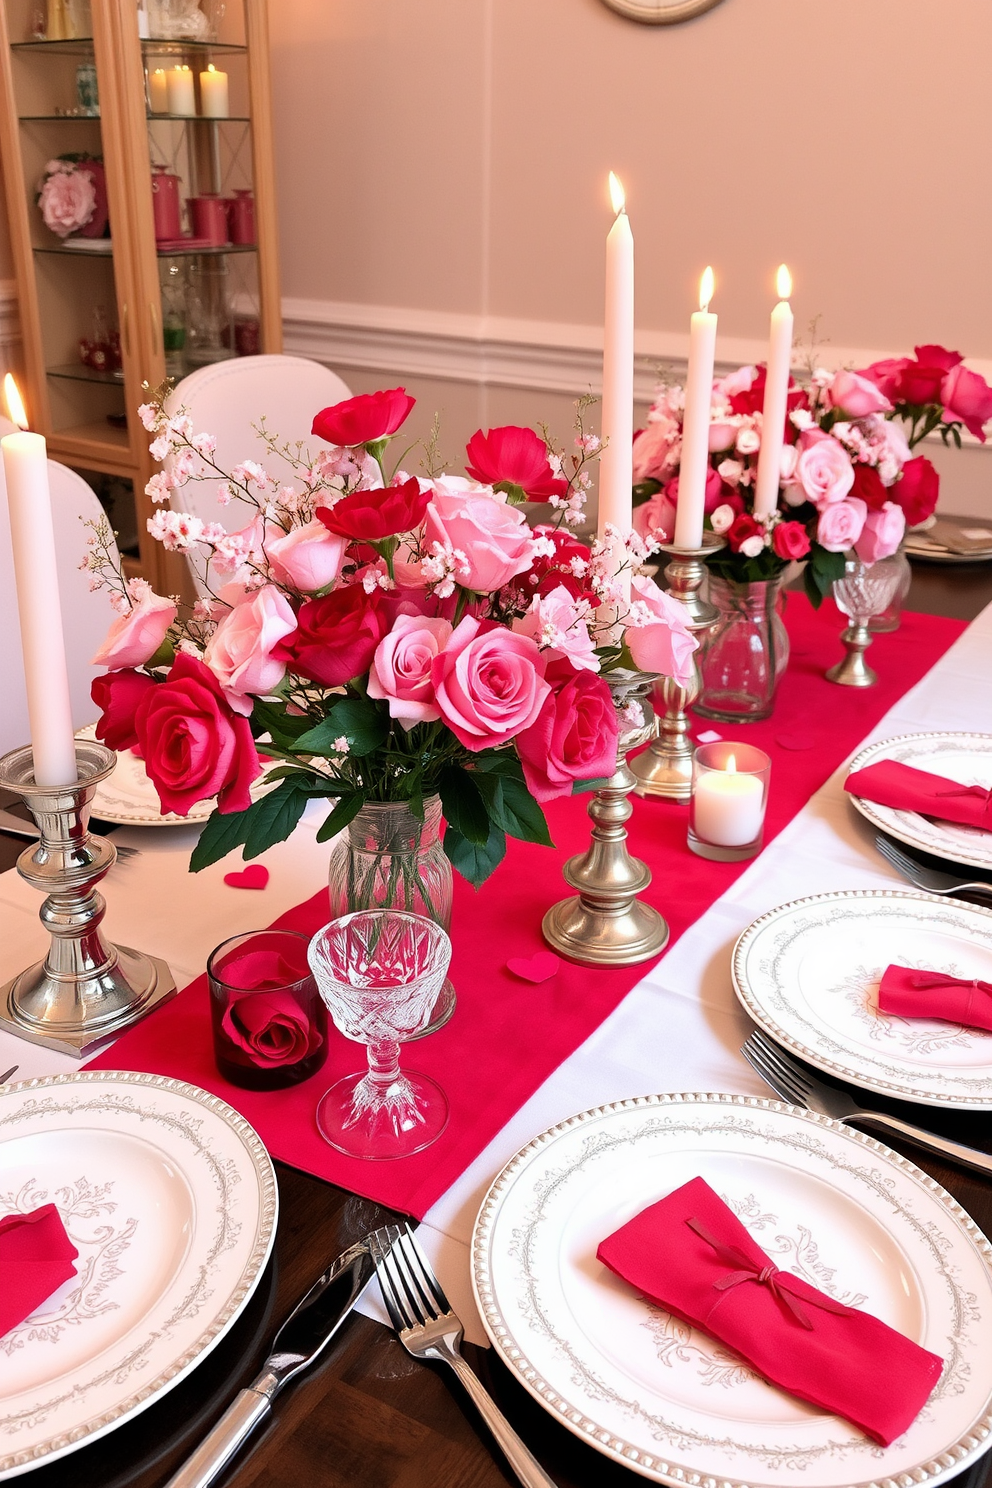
(380,972)
(865,590)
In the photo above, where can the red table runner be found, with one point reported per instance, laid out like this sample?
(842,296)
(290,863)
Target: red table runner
(508,1036)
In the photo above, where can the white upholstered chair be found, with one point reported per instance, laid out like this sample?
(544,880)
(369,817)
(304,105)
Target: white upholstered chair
(86,615)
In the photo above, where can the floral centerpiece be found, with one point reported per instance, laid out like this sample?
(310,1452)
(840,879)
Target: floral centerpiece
(376,638)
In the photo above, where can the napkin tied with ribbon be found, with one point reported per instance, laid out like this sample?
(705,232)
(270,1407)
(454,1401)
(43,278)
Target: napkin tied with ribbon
(691,1255)
(910,993)
(904,788)
(36,1257)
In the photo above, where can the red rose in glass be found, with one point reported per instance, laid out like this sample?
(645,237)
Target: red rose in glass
(271,1028)
(335,637)
(117,695)
(513,456)
(917,490)
(369,516)
(365,418)
(574,737)
(194,745)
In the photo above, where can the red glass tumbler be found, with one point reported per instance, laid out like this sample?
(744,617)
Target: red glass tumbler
(269,1021)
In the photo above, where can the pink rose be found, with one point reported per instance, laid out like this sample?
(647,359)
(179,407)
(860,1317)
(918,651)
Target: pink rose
(655,517)
(655,450)
(723,436)
(134,637)
(239,653)
(712,495)
(823,470)
(882,533)
(840,524)
(574,736)
(556,621)
(401,668)
(306,558)
(967,397)
(664,645)
(489,683)
(494,537)
(857,395)
(67,199)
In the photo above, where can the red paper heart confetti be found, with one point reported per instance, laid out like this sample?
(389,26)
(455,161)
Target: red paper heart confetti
(255,876)
(536,968)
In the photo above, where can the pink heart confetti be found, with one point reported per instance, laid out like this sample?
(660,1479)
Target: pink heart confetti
(255,876)
(536,968)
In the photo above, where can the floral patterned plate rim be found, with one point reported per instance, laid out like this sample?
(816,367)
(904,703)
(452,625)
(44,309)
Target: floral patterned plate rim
(858,1220)
(808,973)
(966,758)
(129,799)
(170,1198)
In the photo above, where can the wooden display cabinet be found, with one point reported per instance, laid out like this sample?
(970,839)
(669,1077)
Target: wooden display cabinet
(219,302)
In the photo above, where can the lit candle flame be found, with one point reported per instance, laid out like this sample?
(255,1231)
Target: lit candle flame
(212,68)
(617,197)
(731,765)
(706,285)
(15,404)
(783,282)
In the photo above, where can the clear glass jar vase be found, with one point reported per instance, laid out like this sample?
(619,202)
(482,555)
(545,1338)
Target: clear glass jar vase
(387,859)
(891,617)
(745,653)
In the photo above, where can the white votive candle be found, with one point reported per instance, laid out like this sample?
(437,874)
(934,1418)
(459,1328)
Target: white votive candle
(730,808)
(181,94)
(213,93)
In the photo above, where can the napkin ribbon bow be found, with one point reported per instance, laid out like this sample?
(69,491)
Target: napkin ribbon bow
(923,980)
(779,1283)
(967,790)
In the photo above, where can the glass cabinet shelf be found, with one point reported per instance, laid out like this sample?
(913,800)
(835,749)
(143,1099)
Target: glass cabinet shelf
(164,46)
(90,253)
(152,118)
(78,372)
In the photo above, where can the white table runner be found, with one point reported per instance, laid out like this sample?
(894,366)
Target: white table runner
(680,1028)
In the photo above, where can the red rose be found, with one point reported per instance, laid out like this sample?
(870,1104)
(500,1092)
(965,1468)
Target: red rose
(548,573)
(271,1028)
(937,356)
(967,397)
(920,384)
(369,516)
(194,745)
(917,490)
(117,695)
(574,737)
(741,529)
(335,637)
(790,540)
(887,376)
(752,399)
(515,456)
(365,418)
(868,485)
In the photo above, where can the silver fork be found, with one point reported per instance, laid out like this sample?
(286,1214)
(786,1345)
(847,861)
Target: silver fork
(794,1083)
(16,826)
(428,1329)
(930,879)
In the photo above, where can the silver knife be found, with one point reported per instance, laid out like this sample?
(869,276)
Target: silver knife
(300,1341)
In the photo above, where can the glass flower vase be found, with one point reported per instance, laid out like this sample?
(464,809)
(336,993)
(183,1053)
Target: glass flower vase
(388,859)
(891,617)
(745,653)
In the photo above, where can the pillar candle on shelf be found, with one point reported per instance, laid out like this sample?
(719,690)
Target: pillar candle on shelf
(776,398)
(616,475)
(213,93)
(182,98)
(694,464)
(158,91)
(32,536)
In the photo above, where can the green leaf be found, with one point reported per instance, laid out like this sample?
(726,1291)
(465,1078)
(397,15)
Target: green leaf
(518,814)
(273,818)
(221,835)
(359,720)
(475,860)
(515,495)
(463,805)
(812,587)
(344,812)
(498,762)
(644,490)
(580,786)
(825,568)
(272,718)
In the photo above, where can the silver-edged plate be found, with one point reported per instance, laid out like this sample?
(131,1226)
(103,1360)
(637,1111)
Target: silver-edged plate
(808,974)
(856,1219)
(935,552)
(170,1198)
(965,758)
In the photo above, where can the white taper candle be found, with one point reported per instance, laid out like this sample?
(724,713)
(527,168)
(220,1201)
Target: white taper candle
(616,466)
(776,398)
(695,460)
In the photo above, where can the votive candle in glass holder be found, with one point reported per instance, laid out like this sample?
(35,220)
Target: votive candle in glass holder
(729,796)
(269,1021)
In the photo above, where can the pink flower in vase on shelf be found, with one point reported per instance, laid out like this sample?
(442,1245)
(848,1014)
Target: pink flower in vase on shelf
(139,631)
(67,198)
(489,683)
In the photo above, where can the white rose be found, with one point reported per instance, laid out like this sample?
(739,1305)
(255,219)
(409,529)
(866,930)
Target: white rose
(752,546)
(722,518)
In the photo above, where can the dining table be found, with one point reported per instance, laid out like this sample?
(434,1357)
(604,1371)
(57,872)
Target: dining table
(369,1415)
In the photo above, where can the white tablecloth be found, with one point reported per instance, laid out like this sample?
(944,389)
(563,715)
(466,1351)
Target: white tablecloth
(680,1028)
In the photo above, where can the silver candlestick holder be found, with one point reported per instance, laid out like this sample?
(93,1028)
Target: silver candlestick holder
(606,924)
(665,767)
(86,991)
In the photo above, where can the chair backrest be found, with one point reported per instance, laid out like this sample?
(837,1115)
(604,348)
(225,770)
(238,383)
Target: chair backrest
(86,615)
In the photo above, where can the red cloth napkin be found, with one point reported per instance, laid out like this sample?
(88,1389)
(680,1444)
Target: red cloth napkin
(689,1253)
(934,994)
(36,1257)
(904,788)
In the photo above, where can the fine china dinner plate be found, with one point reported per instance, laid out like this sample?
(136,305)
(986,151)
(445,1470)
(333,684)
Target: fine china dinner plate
(965,758)
(856,1219)
(129,799)
(170,1198)
(808,974)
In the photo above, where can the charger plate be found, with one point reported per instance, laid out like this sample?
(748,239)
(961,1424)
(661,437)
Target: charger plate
(170,1198)
(825,1201)
(965,758)
(808,973)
